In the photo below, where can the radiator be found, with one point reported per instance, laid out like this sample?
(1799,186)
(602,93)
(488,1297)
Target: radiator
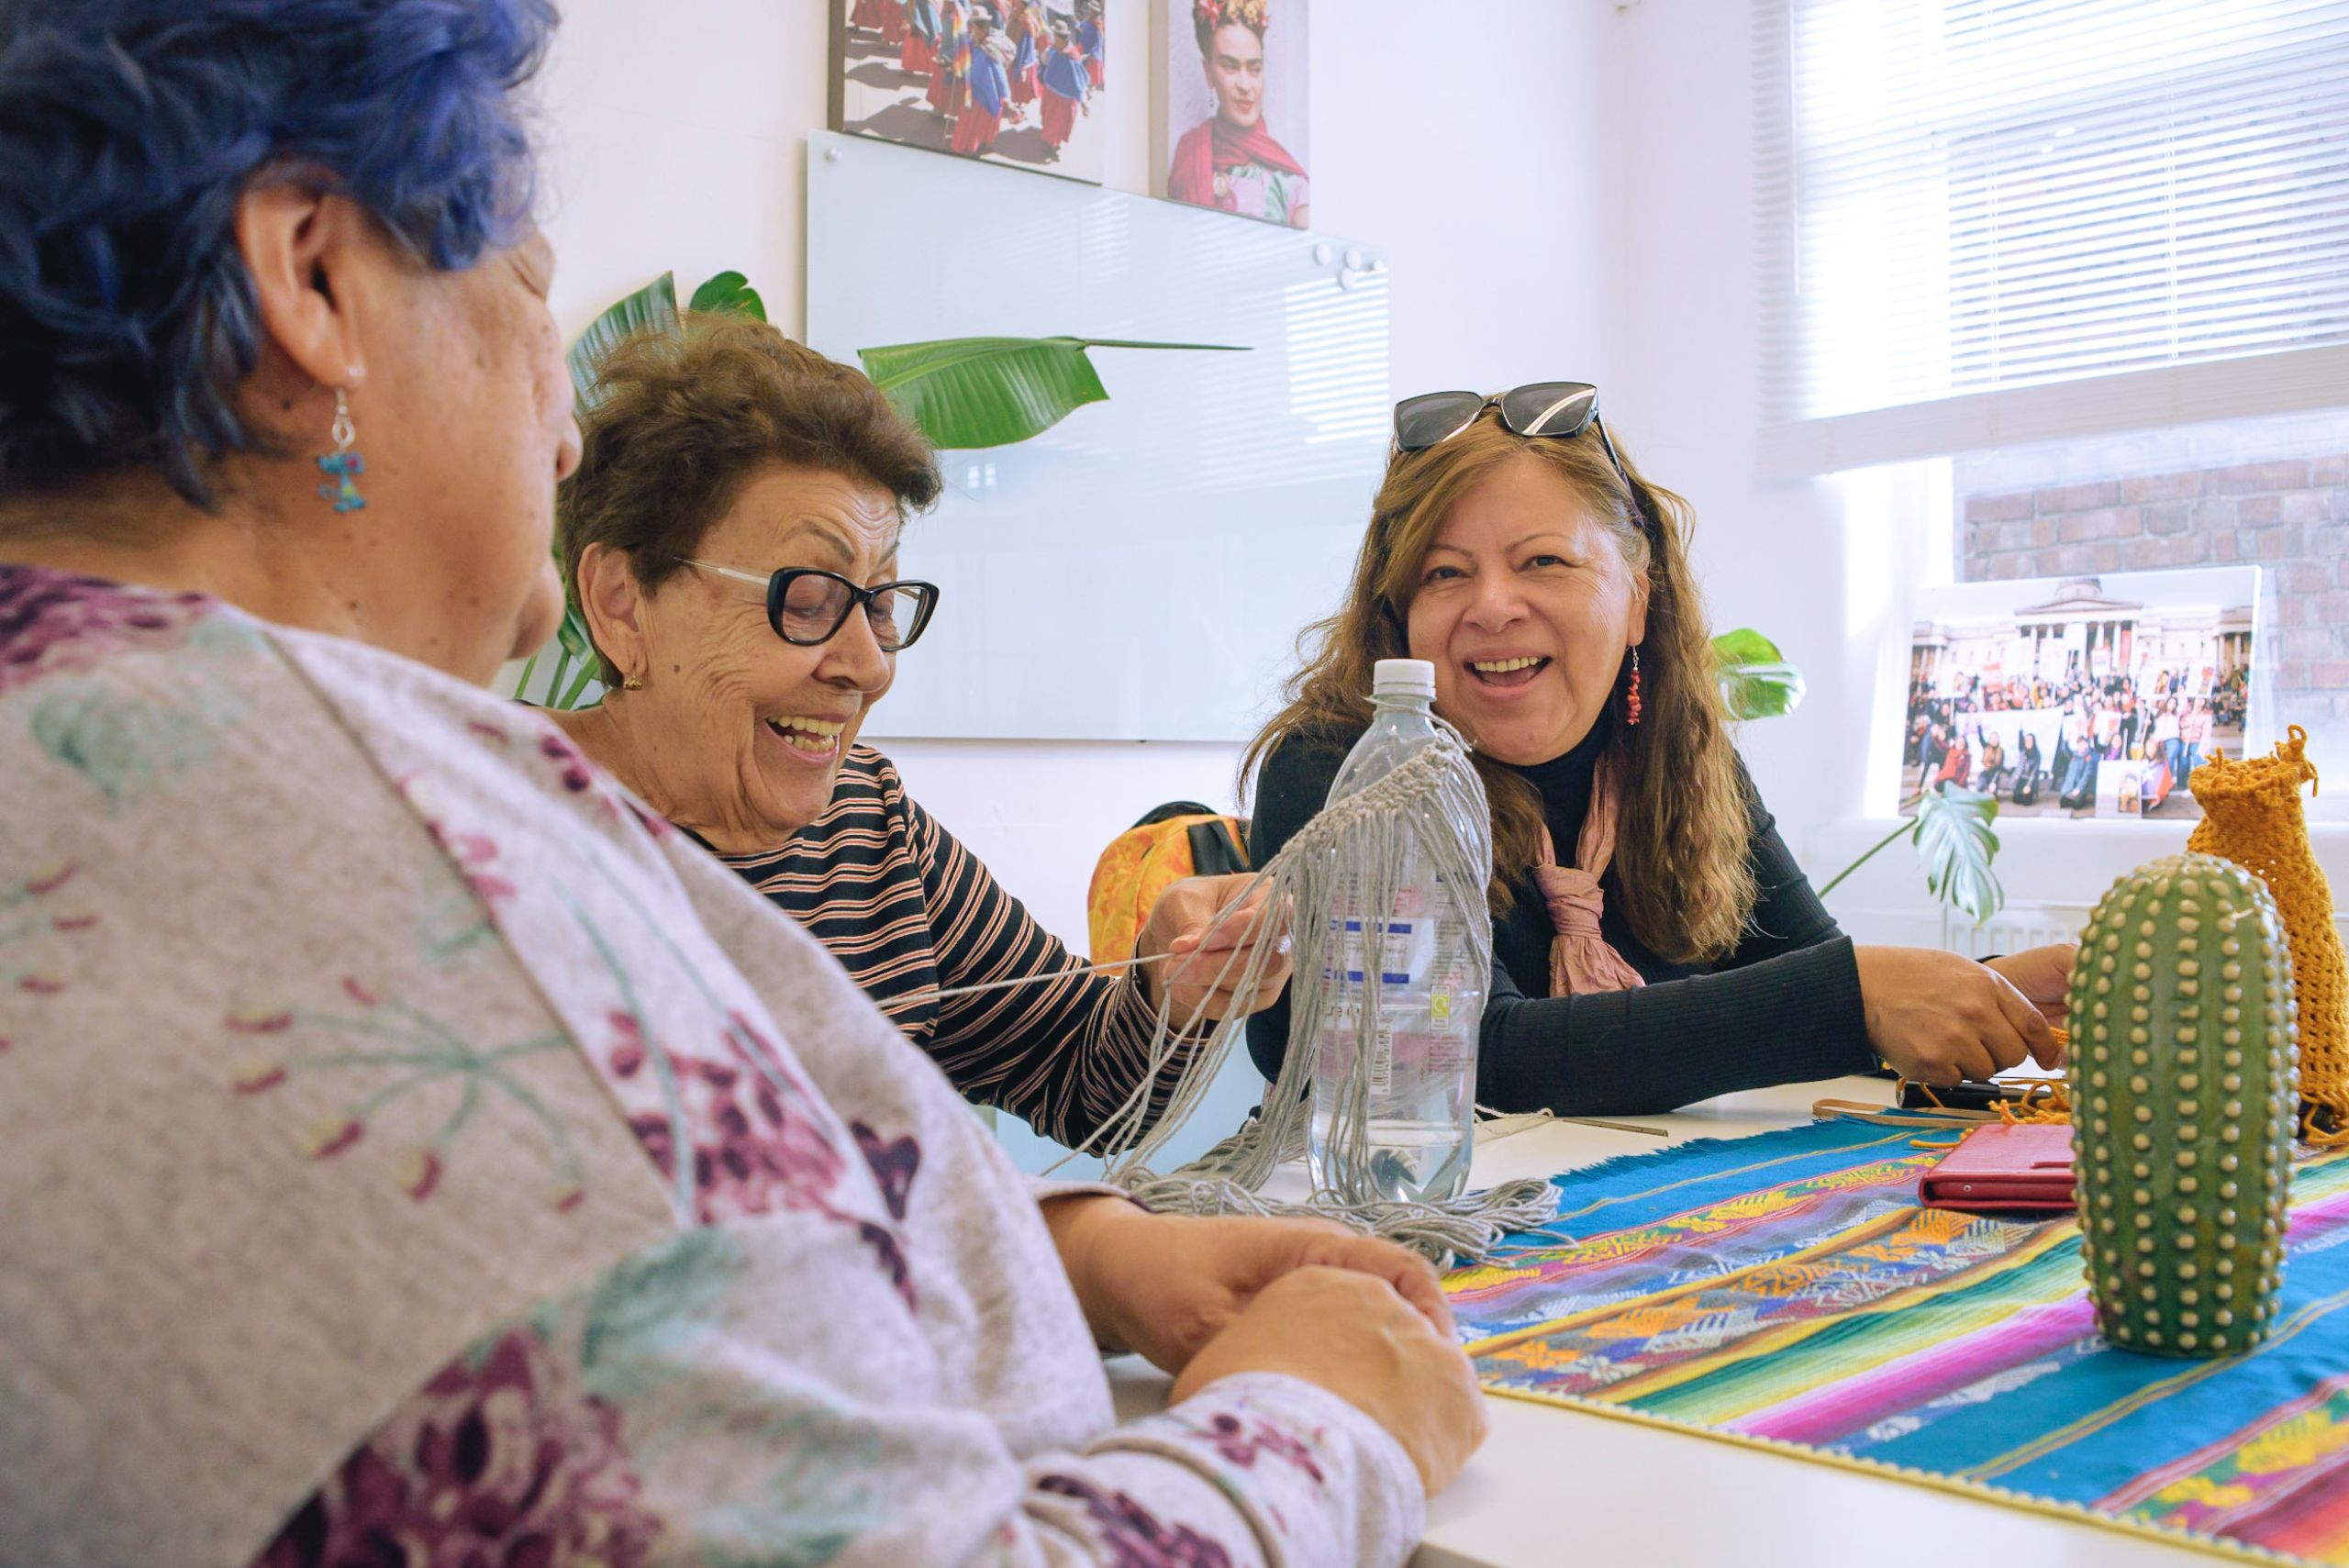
(2019,926)
(2013,928)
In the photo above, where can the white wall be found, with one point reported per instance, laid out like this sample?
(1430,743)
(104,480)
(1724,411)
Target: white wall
(676,139)
(1772,556)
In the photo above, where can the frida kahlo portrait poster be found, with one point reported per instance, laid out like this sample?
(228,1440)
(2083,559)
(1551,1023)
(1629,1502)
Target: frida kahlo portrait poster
(1232,102)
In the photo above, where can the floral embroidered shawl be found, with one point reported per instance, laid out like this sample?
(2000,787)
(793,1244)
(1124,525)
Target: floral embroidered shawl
(411,1151)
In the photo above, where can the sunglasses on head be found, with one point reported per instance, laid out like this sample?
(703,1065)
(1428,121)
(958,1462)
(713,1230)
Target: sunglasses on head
(1556,410)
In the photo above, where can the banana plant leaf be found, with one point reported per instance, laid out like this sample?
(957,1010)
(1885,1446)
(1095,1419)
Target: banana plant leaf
(729,294)
(1956,842)
(990,392)
(654,305)
(1756,680)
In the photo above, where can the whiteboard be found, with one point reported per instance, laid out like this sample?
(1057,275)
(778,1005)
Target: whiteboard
(1142,570)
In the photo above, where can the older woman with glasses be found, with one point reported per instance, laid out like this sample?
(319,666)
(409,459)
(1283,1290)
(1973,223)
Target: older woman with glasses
(732,538)
(1655,944)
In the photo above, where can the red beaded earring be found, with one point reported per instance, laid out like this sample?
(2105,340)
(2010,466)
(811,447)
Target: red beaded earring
(1632,697)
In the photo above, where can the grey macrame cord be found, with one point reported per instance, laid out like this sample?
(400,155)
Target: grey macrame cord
(1434,800)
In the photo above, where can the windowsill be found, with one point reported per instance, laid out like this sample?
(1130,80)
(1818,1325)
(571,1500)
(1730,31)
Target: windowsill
(1865,830)
(2038,862)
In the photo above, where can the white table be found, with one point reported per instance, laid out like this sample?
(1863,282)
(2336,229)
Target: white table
(1553,1486)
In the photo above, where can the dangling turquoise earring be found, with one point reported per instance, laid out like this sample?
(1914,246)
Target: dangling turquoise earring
(342,463)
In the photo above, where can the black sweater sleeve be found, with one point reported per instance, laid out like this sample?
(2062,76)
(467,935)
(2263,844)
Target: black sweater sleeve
(1783,1008)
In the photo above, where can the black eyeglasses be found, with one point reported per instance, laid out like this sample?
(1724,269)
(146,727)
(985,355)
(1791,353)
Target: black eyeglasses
(1556,409)
(807,606)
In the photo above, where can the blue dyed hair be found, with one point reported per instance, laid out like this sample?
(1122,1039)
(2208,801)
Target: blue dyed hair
(129,128)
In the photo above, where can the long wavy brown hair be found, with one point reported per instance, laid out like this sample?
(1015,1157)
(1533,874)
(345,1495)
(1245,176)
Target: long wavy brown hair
(1683,879)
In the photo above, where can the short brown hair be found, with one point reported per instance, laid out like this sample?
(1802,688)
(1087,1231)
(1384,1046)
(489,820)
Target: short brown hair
(689,417)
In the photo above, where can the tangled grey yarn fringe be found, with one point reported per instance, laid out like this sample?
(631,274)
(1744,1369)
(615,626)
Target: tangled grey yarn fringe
(1434,803)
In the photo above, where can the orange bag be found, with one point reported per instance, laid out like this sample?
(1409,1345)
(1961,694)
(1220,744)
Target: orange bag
(1180,839)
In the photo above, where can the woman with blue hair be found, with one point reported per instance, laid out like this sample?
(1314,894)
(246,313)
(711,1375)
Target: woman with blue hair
(410,1149)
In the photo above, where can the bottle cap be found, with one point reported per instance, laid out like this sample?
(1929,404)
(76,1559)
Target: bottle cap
(1402,678)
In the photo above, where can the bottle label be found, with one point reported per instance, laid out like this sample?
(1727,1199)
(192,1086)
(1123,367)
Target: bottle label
(1423,993)
(1399,996)
(1406,947)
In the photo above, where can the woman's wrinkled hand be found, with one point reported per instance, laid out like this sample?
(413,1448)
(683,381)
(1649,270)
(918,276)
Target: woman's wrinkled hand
(1939,1018)
(1163,1285)
(1203,960)
(1353,1334)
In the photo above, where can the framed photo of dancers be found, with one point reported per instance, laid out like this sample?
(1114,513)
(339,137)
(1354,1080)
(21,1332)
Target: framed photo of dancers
(2081,698)
(1013,81)
(1231,127)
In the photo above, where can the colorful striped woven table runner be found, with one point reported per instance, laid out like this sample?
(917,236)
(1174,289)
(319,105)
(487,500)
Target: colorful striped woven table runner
(1786,1291)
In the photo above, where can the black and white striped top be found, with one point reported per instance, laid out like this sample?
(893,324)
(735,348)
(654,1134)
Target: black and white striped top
(907,911)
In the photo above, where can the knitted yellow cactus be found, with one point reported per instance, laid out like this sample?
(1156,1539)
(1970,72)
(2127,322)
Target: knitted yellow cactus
(2252,817)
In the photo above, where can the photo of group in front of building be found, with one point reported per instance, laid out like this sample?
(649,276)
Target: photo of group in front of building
(2088,697)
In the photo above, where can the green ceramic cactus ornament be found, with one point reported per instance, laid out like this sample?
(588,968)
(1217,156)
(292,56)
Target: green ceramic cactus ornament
(2184,1079)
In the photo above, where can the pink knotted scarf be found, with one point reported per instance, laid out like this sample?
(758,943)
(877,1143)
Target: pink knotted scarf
(1581,961)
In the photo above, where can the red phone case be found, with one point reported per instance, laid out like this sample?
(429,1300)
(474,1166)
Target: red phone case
(2004,1169)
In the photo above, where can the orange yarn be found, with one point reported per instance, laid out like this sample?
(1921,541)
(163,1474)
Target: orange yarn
(2041,1103)
(2048,1102)
(2252,815)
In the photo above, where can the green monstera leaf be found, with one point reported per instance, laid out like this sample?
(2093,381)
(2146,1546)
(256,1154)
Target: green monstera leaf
(728,293)
(1956,842)
(1951,831)
(1756,680)
(991,392)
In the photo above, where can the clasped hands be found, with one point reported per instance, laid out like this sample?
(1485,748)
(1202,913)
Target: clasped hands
(1207,1298)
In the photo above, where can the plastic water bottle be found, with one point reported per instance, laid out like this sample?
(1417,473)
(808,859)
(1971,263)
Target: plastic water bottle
(1414,959)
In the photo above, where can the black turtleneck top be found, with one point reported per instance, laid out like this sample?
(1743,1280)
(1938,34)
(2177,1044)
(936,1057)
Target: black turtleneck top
(1783,1008)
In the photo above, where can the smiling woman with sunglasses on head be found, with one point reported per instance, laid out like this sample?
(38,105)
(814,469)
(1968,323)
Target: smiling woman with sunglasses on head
(732,538)
(1654,944)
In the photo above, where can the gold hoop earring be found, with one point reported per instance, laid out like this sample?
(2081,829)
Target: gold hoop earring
(631,684)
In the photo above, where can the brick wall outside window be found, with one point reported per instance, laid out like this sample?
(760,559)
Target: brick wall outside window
(2289,513)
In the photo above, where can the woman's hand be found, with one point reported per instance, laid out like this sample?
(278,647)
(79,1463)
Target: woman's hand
(1938,1018)
(1204,962)
(1163,1285)
(1352,1334)
(2044,975)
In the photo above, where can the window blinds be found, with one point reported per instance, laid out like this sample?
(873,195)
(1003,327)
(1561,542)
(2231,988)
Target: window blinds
(1985,220)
